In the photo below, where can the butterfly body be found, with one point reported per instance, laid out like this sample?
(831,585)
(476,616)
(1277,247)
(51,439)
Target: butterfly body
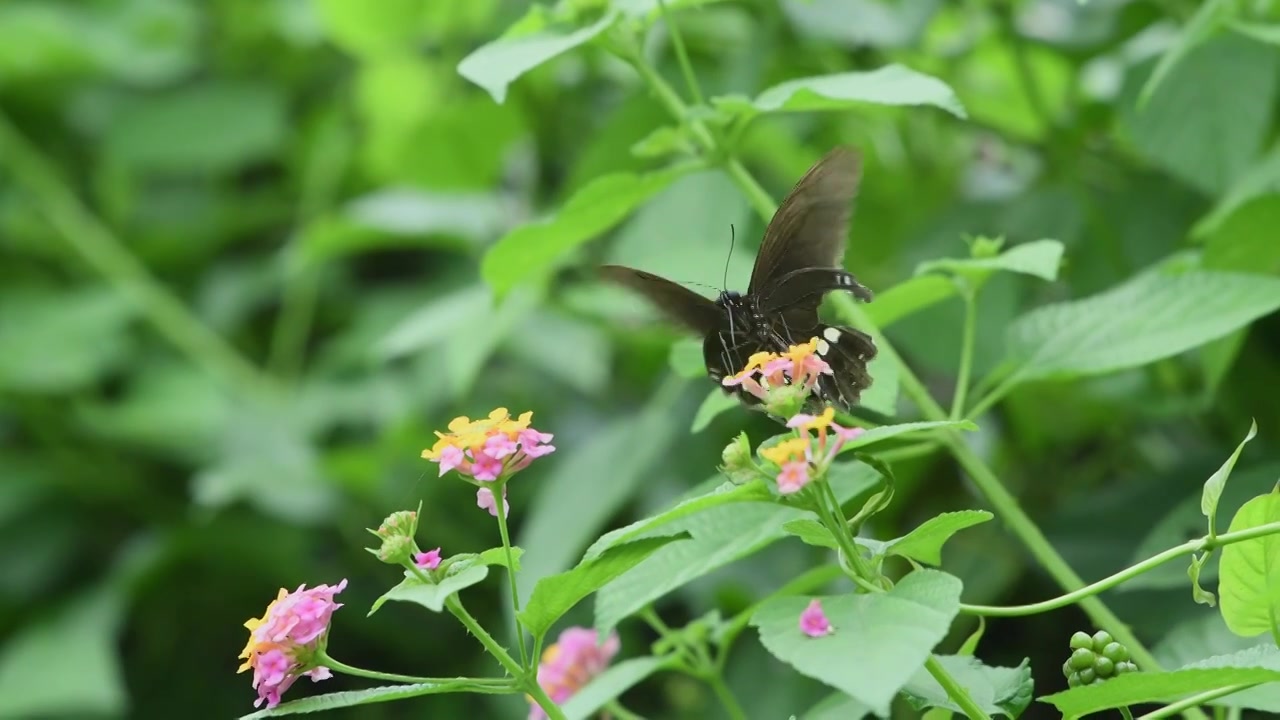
(800,260)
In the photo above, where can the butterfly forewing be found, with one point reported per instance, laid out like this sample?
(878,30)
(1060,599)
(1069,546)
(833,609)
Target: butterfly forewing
(696,312)
(811,226)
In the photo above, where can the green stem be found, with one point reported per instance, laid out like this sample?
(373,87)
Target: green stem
(685,66)
(966,351)
(492,684)
(297,309)
(1195,700)
(955,690)
(499,506)
(833,518)
(1125,713)
(995,395)
(497,651)
(727,700)
(1173,553)
(617,710)
(111,259)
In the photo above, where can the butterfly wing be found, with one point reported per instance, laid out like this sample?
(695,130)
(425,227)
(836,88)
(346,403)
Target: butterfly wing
(811,226)
(680,303)
(847,351)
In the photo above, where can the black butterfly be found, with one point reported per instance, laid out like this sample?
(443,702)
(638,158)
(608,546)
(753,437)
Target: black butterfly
(800,260)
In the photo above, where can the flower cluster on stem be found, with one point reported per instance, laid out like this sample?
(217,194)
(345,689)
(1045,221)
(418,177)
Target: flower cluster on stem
(288,641)
(488,452)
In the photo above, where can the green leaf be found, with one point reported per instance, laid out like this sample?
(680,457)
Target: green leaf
(888,85)
(1269,34)
(1262,178)
(495,65)
(1206,635)
(56,341)
(1040,258)
(210,128)
(372,29)
(1249,573)
(351,698)
(908,298)
(1222,93)
(879,641)
(722,533)
(884,432)
(1256,665)
(1157,314)
(810,532)
(882,396)
(997,690)
(1244,241)
(837,706)
(1199,594)
(535,249)
(924,543)
(716,403)
(67,663)
(432,596)
(686,358)
(1218,480)
(610,684)
(554,596)
(498,556)
(1198,29)
(724,494)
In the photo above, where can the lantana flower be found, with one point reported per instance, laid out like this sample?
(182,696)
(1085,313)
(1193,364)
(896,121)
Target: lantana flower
(813,621)
(288,641)
(782,381)
(806,457)
(570,663)
(429,560)
(489,450)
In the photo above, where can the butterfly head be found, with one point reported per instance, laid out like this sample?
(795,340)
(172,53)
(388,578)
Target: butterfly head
(729,299)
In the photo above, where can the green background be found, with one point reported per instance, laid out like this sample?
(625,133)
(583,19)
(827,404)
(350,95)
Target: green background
(240,286)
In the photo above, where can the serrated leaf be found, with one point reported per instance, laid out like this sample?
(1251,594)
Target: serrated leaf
(608,685)
(495,65)
(1249,572)
(885,432)
(722,533)
(534,249)
(810,532)
(888,85)
(724,494)
(1206,635)
(1256,665)
(1157,314)
(1262,178)
(432,596)
(1218,480)
(716,403)
(997,690)
(350,698)
(1040,258)
(1198,29)
(925,542)
(555,595)
(880,640)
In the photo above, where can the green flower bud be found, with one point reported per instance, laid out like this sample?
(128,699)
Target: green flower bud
(1081,659)
(396,550)
(737,461)
(1073,680)
(1101,639)
(1081,640)
(1104,667)
(1115,652)
(403,523)
(1087,676)
(1067,670)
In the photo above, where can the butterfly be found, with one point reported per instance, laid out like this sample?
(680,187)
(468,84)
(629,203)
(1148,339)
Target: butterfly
(801,259)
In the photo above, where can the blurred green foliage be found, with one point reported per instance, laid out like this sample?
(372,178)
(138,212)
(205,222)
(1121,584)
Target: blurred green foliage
(246,272)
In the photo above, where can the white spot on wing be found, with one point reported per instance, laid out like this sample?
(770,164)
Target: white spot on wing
(831,334)
(823,347)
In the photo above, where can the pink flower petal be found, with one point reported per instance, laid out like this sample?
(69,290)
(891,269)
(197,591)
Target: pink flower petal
(429,560)
(484,500)
(793,477)
(813,621)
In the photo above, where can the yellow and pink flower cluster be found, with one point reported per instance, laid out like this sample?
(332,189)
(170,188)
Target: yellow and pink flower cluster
(288,641)
(489,450)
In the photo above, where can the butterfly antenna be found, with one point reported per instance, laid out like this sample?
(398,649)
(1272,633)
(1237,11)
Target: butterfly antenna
(726,260)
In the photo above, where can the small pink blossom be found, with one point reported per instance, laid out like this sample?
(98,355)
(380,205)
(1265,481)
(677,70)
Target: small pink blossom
(499,446)
(813,621)
(793,477)
(285,641)
(450,458)
(484,500)
(571,663)
(486,468)
(429,560)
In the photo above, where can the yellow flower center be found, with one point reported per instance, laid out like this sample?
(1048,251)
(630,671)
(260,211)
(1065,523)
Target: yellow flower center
(785,451)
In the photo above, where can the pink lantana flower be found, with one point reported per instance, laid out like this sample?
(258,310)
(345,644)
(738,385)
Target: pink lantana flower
(429,560)
(484,500)
(793,477)
(288,641)
(782,381)
(570,663)
(489,450)
(807,457)
(813,621)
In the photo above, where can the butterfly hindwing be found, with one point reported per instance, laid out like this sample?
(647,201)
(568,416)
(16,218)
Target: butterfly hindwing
(847,351)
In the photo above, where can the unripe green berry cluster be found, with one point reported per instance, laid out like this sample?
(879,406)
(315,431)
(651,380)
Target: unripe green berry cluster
(1095,657)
